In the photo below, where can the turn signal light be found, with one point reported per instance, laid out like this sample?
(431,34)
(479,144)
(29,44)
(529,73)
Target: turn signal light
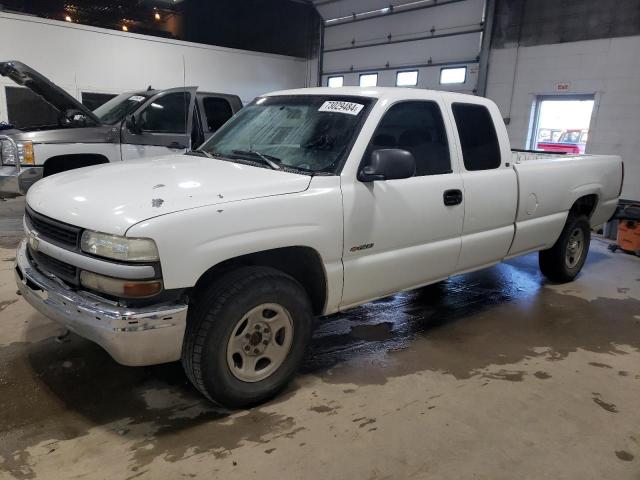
(142,289)
(25,151)
(120,288)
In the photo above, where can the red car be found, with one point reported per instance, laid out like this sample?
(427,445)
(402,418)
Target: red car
(572,141)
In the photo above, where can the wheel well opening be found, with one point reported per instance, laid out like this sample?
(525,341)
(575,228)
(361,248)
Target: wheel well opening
(302,263)
(62,163)
(585,205)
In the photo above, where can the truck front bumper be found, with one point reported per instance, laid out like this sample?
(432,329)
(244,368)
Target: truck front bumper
(16,181)
(132,336)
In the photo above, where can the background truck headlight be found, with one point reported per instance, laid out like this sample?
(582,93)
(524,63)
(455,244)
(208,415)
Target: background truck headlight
(120,288)
(117,247)
(21,152)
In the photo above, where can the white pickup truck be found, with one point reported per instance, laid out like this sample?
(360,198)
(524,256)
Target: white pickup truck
(306,203)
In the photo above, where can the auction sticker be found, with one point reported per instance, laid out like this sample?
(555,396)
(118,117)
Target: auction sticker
(137,98)
(336,106)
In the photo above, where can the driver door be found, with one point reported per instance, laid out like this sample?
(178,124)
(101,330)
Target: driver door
(164,123)
(401,234)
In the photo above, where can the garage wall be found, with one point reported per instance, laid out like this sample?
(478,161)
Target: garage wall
(422,35)
(608,68)
(81,58)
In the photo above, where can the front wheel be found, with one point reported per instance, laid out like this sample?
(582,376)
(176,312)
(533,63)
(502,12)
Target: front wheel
(562,262)
(246,336)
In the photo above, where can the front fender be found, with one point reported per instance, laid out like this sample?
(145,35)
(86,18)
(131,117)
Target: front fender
(190,242)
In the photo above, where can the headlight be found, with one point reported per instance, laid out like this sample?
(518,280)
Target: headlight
(116,247)
(120,288)
(22,152)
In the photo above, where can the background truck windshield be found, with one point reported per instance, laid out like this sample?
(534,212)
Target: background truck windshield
(118,107)
(308,132)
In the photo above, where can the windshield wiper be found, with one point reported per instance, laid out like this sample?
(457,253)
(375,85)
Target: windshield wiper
(203,153)
(269,160)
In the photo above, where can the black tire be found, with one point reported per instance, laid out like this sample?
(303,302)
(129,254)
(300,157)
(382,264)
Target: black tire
(556,263)
(213,320)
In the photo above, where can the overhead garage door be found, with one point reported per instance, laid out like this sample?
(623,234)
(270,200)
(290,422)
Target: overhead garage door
(429,43)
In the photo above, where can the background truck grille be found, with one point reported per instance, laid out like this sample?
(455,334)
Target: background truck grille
(52,230)
(47,264)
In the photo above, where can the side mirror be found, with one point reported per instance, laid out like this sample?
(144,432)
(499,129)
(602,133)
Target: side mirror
(132,125)
(388,164)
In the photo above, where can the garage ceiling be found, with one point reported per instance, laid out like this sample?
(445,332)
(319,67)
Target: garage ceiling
(137,15)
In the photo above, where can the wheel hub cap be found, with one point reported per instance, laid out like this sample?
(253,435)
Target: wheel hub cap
(575,247)
(260,342)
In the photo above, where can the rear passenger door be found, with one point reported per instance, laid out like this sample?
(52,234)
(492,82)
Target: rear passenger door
(215,111)
(399,234)
(490,186)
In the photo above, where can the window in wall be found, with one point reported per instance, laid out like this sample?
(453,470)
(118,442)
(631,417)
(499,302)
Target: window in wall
(368,79)
(407,78)
(416,126)
(166,114)
(453,75)
(561,123)
(93,100)
(478,138)
(335,82)
(218,111)
(26,109)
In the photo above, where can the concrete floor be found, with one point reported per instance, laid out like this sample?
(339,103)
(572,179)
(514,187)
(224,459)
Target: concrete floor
(491,375)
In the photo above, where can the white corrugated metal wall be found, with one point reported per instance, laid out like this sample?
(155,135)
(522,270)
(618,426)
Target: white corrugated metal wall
(387,36)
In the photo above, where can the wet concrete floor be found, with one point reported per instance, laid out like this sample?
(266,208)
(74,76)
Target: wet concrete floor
(491,375)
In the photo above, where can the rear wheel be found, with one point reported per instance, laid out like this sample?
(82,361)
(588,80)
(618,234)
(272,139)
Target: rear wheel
(246,336)
(562,262)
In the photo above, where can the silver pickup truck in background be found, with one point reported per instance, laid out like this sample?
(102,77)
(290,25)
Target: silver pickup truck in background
(132,125)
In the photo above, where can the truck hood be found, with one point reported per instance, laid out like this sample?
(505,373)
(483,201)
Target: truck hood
(36,82)
(112,197)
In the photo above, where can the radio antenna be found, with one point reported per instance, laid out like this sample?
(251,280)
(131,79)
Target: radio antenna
(186,103)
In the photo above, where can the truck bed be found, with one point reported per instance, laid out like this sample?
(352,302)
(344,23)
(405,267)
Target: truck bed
(550,183)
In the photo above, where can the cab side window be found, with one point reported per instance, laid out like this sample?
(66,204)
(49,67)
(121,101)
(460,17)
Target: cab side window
(166,114)
(415,126)
(478,138)
(218,111)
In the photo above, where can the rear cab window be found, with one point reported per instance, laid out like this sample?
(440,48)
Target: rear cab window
(478,137)
(217,111)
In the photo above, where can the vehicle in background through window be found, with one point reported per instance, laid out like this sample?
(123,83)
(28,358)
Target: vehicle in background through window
(572,141)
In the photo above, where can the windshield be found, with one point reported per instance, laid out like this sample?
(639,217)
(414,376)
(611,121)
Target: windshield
(118,107)
(306,132)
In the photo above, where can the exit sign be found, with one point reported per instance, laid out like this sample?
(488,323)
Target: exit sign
(563,87)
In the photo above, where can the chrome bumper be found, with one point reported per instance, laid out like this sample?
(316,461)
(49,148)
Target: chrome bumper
(135,337)
(16,181)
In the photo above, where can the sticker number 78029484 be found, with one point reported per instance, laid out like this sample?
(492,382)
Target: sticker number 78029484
(337,106)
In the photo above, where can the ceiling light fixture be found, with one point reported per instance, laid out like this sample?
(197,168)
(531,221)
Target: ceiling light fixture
(68,18)
(125,28)
(157,16)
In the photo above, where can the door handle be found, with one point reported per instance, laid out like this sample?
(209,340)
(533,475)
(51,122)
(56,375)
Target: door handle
(176,145)
(452,197)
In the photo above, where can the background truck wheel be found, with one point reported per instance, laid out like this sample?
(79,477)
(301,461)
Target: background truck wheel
(246,336)
(562,262)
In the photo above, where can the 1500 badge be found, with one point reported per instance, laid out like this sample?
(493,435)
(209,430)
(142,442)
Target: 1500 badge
(365,246)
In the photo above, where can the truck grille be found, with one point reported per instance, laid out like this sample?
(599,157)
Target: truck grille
(50,265)
(52,230)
